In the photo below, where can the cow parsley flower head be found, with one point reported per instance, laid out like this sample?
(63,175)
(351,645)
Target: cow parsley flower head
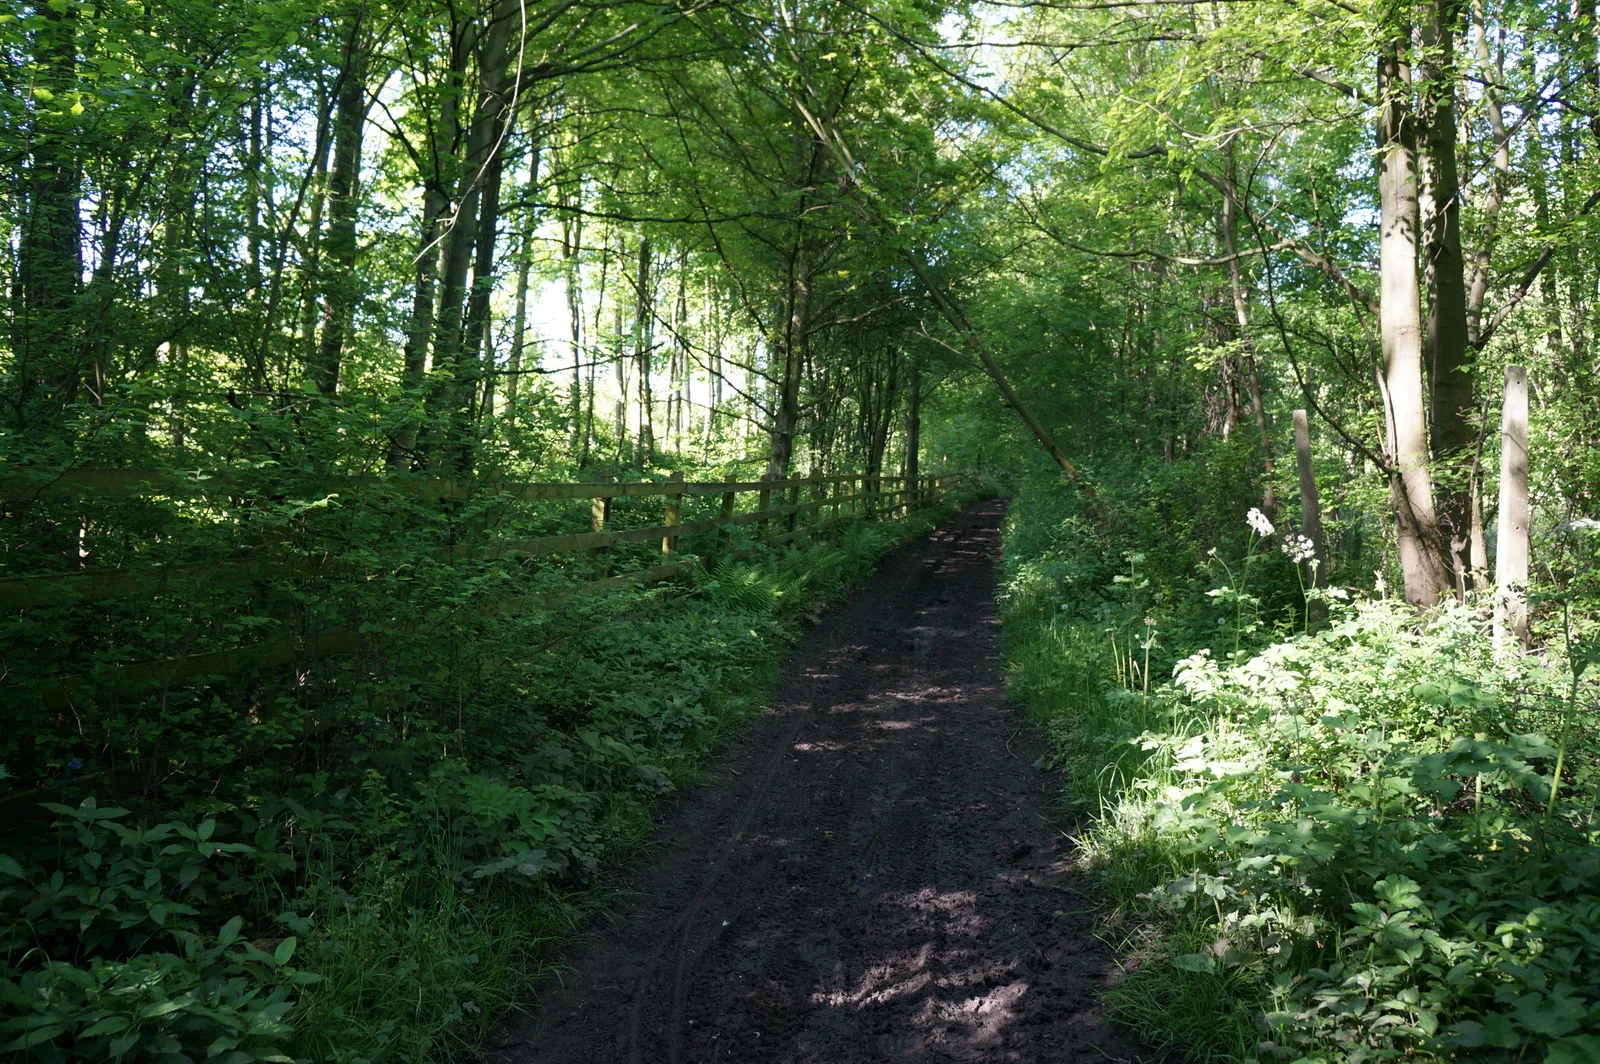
(1299,549)
(1258,523)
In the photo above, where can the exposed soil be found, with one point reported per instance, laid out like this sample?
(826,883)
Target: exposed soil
(873,873)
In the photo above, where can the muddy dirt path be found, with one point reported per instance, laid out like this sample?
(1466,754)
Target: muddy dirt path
(873,873)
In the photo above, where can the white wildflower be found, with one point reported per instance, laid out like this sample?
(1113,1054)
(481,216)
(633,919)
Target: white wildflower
(1258,523)
(1299,549)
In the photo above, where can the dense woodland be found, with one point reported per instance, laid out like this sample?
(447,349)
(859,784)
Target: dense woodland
(297,288)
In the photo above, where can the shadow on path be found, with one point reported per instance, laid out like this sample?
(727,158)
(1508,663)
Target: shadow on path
(871,874)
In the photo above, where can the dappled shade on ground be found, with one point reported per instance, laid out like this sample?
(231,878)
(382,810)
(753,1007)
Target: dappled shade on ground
(875,872)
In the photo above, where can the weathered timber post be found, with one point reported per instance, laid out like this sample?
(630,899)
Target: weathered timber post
(600,507)
(725,515)
(600,520)
(1511,541)
(669,543)
(764,503)
(794,500)
(819,491)
(1310,515)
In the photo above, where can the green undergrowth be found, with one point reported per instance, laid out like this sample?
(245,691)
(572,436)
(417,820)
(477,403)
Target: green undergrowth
(389,898)
(1371,842)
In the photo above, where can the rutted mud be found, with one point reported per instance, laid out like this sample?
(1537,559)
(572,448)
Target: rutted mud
(871,874)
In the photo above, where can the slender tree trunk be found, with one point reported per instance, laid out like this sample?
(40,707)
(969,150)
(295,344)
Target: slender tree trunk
(403,444)
(311,247)
(790,341)
(681,385)
(519,321)
(571,244)
(478,354)
(1400,327)
(643,341)
(454,395)
(1445,337)
(339,285)
(49,259)
(1247,350)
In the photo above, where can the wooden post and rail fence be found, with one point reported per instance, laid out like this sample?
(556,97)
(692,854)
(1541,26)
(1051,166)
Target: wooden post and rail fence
(800,521)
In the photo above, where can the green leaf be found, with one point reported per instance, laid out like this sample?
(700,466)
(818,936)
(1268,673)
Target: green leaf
(109,1025)
(230,931)
(284,951)
(163,1008)
(36,1037)
(1195,962)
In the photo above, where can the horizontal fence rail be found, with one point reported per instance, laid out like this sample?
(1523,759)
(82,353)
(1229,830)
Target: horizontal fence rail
(844,497)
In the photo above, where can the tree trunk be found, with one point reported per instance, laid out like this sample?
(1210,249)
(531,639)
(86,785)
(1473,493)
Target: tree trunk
(790,341)
(49,259)
(1247,350)
(571,242)
(453,395)
(403,444)
(519,321)
(340,285)
(478,355)
(1400,327)
(643,341)
(1445,340)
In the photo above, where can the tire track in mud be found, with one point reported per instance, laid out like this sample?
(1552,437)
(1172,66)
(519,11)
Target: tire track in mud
(873,873)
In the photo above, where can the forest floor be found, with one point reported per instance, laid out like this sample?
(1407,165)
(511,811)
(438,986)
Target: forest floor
(875,871)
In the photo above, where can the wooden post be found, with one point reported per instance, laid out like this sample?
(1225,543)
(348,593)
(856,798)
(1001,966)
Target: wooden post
(1310,509)
(600,509)
(1310,516)
(763,503)
(726,514)
(1511,542)
(913,434)
(794,500)
(819,491)
(669,544)
(599,521)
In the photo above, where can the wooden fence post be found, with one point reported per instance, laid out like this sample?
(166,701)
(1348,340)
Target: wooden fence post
(764,503)
(726,514)
(600,509)
(1310,509)
(669,543)
(794,500)
(1310,514)
(1511,542)
(819,491)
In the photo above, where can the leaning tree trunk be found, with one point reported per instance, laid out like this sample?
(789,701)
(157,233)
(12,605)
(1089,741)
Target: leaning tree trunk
(1400,326)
